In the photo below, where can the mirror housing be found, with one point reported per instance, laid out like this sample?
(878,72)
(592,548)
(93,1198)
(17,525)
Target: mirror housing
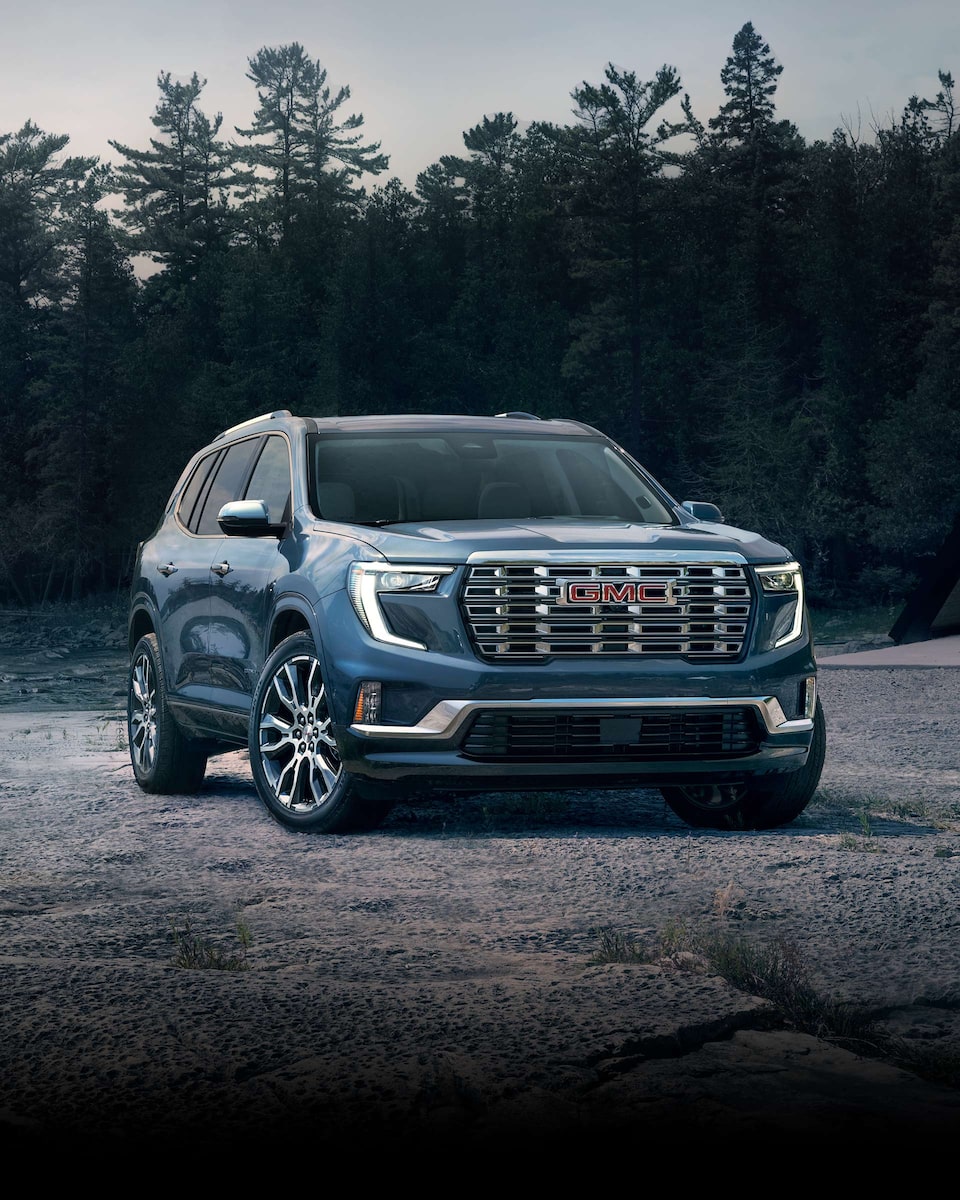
(247,518)
(703,511)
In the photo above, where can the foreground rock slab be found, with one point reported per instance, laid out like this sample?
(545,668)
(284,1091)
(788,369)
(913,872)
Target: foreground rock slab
(440,977)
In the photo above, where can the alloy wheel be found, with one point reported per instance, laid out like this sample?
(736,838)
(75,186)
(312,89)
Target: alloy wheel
(298,753)
(143,713)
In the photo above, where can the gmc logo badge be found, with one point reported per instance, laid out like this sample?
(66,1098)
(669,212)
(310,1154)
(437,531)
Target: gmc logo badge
(615,593)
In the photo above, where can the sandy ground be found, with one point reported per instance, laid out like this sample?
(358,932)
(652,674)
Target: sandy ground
(434,980)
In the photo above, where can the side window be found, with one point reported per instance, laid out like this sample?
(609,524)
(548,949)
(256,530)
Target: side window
(226,484)
(188,509)
(270,481)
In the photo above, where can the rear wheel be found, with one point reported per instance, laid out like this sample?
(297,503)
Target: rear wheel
(753,805)
(293,754)
(164,760)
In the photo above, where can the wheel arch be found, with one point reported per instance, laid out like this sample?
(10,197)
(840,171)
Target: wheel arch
(142,621)
(291,615)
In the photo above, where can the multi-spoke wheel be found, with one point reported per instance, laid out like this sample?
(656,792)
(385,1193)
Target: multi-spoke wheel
(754,805)
(163,759)
(293,753)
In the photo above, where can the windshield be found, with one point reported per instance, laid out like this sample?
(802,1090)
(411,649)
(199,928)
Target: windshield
(466,477)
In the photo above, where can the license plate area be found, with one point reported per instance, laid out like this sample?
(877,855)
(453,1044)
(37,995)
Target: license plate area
(620,731)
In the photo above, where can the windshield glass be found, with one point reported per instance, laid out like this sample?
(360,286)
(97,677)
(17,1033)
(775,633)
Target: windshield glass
(466,477)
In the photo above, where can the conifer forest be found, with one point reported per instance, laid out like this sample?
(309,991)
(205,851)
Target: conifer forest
(765,322)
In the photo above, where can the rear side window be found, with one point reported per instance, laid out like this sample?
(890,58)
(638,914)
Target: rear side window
(227,482)
(188,509)
(270,481)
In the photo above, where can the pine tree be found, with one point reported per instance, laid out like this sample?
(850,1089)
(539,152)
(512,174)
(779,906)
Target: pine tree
(749,78)
(36,181)
(616,244)
(311,157)
(77,418)
(177,192)
(944,104)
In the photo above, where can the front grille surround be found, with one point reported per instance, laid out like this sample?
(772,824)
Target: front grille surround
(515,609)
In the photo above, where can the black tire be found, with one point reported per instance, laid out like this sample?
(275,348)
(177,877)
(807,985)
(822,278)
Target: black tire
(753,805)
(294,758)
(164,759)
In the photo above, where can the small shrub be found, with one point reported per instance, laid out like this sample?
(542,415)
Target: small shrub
(779,973)
(675,937)
(728,900)
(195,953)
(618,948)
(865,845)
(910,810)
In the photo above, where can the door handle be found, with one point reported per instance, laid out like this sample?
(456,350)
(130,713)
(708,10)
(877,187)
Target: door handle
(221,569)
(167,569)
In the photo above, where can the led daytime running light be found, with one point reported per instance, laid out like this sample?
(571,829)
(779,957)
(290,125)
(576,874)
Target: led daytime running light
(367,580)
(781,579)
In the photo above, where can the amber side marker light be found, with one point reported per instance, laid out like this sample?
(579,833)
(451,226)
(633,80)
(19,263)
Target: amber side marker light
(367,709)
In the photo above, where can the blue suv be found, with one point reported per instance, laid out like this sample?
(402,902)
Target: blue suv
(380,606)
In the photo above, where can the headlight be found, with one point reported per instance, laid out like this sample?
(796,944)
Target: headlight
(366,581)
(782,619)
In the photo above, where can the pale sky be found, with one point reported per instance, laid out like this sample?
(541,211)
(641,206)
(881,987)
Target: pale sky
(423,71)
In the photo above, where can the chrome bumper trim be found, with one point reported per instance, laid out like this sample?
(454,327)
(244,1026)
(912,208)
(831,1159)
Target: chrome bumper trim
(445,719)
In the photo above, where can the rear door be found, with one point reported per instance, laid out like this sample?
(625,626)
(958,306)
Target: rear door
(179,572)
(199,554)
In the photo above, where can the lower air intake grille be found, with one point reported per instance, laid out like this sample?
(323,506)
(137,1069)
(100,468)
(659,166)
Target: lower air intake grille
(613,736)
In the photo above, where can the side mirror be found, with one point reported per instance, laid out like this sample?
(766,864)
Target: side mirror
(703,511)
(247,518)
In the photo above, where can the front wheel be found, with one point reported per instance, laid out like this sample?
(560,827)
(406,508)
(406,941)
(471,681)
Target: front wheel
(753,805)
(294,758)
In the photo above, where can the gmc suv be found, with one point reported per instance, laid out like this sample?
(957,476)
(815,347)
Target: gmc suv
(378,606)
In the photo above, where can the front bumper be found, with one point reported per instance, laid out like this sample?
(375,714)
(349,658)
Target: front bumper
(432,703)
(432,752)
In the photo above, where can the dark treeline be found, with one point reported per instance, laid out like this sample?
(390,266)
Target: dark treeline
(765,322)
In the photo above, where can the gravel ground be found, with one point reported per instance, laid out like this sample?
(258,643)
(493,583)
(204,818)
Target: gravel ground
(437,978)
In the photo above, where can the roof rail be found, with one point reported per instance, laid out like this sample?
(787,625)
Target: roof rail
(521,416)
(280,412)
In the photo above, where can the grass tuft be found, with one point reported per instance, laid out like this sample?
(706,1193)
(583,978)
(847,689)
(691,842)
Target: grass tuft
(616,947)
(778,971)
(195,953)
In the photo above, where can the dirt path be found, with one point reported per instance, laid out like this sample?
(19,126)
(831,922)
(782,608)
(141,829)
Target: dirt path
(437,977)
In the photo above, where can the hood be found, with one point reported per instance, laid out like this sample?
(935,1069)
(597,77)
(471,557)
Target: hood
(455,541)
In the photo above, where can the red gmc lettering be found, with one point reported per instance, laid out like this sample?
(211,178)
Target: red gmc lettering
(615,593)
(619,593)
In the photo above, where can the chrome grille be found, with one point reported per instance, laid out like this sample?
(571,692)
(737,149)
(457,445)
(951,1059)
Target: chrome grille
(696,610)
